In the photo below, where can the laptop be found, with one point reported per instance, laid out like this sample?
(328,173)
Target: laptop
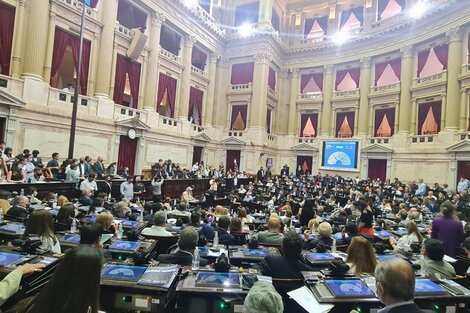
(426,287)
(349,288)
(315,257)
(122,272)
(70,239)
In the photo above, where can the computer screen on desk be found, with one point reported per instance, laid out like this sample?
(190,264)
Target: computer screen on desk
(425,287)
(122,272)
(121,245)
(8,258)
(217,279)
(256,252)
(349,288)
(319,257)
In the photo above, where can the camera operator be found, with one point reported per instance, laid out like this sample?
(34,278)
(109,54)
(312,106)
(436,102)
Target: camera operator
(157,183)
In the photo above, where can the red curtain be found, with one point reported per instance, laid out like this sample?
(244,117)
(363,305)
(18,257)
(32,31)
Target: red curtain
(169,40)
(275,20)
(272,79)
(308,26)
(422,58)
(377,169)
(340,118)
(304,79)
(345,15)
(242,73)
(303,121)
(381,5)
(198,58)
(168,84)
(340,75)
(423,112)
(355,75)
(120,79)
(379,115)
(242,109)
(396,67)
(379,70)
(133,70)
(61,39)
(442,54)
(75,43)
(269,114)
(322,21)
(195,103)
(247,13)
(127,152)
(232,155)
(197,154)
(7,24)
(305,163)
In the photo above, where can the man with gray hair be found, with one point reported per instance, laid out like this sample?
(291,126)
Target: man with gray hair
(395,283)
(183,255)
(20,209)
(263,298)
(158,228)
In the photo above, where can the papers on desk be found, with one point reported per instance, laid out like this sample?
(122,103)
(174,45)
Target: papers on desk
(161,276)
(449,259)
(307,300)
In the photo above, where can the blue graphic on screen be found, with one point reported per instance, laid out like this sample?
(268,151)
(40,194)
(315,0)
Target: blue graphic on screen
(8,258)
(256,252)
(349,288)
(71,238)
(122,245)
(315,257)
(340,154)
(385,257)
(123,272)
(426,286)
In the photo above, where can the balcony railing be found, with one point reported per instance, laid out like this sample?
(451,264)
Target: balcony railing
(240,88)
(235,133)
(390,88)
(465,69)
(346,94)
(388,22)
(270,137)
(126,32)
(310,96)
(58,96)
(122,112)
(312,40)
(169,55)
(13,85)
(431,79)
(170,124)
(204,16)
(306,139)
(76,5)
(272,93)
(423,138)
(380,140)
(198,71)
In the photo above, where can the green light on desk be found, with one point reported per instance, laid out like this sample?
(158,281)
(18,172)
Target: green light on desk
(223,305)
(436,307)
(358,309)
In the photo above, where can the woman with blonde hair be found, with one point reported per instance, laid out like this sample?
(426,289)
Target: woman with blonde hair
(361,256)
(412,236)
(106,219)
(62,200)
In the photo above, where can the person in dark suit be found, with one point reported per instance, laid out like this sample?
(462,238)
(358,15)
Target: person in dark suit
(288,265)
(222,228)
(20,210)
(98,168)
(395,282)
(261,175)
(186,246)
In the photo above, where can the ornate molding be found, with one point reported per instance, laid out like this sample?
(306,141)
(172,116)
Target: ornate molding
(22,3)
(263,57)
(157,19)
(283,73)
(224,62)
(295,72)
(365,62)
(328,68)
(455,34)
(407,51)
(189,41)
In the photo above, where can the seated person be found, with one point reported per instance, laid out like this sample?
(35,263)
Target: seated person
(434,266)
(324,230)
(11,283)
(66,215)
(122,210)
(351,230)
(272,235)
(263,298)
(4,203)
(204,229)
(86,199)
(159,226)
(91,235)
(288,265)
(222,229)
(40,223)
(361,256)
(181,211)
(187,195)
(106,219)
(413,236)
(183,255)
(20,209)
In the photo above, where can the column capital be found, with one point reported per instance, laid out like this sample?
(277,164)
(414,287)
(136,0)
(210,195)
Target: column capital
(157,19)
(407,51)
(23,3)
(295,72)
(365,62)
(283,73)
(52,16)
(455,34)
(214,57)
(443,95)
(189,41)
(224,62)
(263,57)
(328,68)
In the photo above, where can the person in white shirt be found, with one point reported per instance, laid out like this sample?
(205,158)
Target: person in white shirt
(463,185)
(127,188)
(89,183)
(158,228)
(413,236)
(28,168)
(195,167)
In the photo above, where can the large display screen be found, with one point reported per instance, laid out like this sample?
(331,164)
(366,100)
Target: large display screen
(340,155)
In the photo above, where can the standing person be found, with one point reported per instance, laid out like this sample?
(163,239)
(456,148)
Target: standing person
(98,168)
(127,188)
(139,188)
(53,166)
(367,217)
(36,159)
(447,229)
(67,291)
(157,183)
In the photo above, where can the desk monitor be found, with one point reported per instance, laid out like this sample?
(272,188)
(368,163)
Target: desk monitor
(426,287)
(203,250)
(105,237)
(131,224)
(319,257)
(216,279)
(90,219)
(349,288)
(126,246)
(71,239)
(13,228)
(122,272)
(383,233)
(256,252)
(384,257)
(401,232)
(8,258)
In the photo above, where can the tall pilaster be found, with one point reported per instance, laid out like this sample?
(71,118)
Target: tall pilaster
(265,13)
(454,65)
(414,109)
(327,94)
(183,109)
(50,48)
(36,40)
(15,68)
(151,79)
(210,93)
(284,97)
(405,94)
(294,91)
(95,52)
(258,106)
(362,122)
(105,61)
(220,115)
(463,110)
